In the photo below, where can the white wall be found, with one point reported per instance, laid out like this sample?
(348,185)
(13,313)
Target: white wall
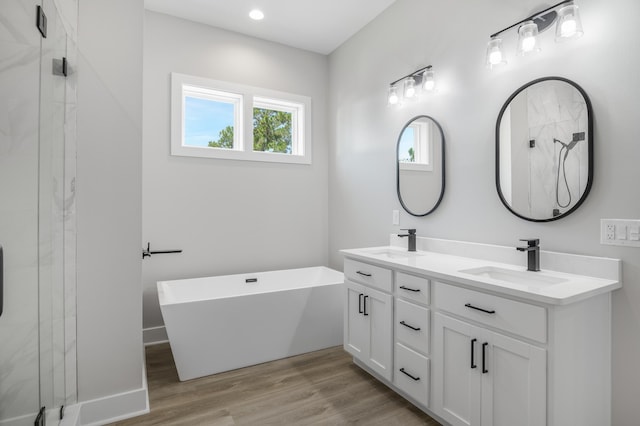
(109,128)
(228,216)
(452,36)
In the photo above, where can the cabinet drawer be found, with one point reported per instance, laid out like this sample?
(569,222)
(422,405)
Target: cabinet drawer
(412,325)
(411,373)
(373,276)
(412,287)
(505,314)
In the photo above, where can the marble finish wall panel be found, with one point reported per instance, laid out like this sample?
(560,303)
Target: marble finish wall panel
(19,100)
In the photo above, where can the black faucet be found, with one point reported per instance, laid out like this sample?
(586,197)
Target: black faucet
(533,254)
(412,238)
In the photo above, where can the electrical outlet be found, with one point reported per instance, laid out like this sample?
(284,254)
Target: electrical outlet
(395,219)
(610,231)
(620,232)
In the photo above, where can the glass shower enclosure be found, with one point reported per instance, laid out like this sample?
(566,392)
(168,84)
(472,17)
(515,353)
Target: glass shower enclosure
(37,213)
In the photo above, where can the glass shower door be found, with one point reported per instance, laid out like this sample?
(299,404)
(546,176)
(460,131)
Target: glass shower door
(37,218)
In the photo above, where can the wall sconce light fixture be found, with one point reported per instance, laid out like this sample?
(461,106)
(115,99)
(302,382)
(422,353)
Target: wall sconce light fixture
(568,26)
(411,85)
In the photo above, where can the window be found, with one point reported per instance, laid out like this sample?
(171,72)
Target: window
(210,118)
(415,149)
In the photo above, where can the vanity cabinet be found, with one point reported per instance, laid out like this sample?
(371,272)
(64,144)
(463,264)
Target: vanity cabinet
(470,352)
(412,335)
(368,317)
(486,378)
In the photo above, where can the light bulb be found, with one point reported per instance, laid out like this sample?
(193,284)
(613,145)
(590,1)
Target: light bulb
(393,96)
(568,28)
(569,25)
(495,56)
(429,82)
(409,87)
(527,38)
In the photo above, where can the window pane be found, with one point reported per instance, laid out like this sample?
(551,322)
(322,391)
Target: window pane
(406,149)
(272,130)
(208,123)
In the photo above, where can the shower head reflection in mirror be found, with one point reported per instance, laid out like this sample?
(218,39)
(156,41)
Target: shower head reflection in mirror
(544,149)
(577,137)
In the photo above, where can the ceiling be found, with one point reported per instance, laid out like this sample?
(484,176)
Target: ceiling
(316,25)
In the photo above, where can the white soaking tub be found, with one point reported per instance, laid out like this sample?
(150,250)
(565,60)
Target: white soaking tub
(222,323)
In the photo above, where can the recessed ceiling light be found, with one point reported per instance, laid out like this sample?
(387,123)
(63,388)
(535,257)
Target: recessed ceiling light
(256,15)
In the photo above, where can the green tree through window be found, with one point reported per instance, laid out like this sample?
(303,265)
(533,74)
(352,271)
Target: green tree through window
(271,130)
(225,139)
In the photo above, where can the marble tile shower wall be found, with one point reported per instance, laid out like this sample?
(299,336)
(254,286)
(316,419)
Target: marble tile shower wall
(545,125)
(19,92)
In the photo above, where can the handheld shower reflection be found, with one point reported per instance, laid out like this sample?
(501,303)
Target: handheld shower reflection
(566,147)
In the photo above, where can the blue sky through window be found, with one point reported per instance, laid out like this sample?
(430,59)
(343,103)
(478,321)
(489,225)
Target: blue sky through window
(204,118)
(406,141)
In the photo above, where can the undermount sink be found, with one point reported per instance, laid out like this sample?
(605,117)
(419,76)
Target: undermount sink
(514,277)
(394,254)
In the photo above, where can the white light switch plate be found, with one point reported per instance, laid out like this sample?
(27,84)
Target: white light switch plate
(395,217)
(620,232)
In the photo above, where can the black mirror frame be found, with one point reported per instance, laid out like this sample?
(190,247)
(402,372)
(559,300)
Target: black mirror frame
(398,167)
(589,148)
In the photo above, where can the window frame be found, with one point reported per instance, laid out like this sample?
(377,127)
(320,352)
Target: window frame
(243,137)
(423,146)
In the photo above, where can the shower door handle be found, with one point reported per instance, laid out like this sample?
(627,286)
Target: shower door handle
(1,280)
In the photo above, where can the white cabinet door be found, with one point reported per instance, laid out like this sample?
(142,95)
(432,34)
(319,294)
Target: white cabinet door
(514,384)
(367,327)
(378,307)
(356,327)
(485,378)
(457,371)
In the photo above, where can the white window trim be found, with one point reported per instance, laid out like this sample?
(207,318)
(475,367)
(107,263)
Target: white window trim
(243,150)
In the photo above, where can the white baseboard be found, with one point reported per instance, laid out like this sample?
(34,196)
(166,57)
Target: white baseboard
(114,407)
(154,335)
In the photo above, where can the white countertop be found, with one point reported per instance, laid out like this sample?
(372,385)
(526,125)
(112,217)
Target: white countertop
(447,267)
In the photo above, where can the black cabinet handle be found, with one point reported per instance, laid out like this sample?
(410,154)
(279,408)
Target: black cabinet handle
(360,303)
(484,358)
(409,326)
(470,306)
(364,274)
(415,290)
(473,356)
(413,377)
(365,306)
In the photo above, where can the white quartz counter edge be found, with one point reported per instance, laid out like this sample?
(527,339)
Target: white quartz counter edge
(447,268)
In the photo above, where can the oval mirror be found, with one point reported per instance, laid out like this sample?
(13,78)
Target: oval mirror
(544,149)
(420,165)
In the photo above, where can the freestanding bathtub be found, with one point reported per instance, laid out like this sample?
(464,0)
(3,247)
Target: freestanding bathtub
(222,323)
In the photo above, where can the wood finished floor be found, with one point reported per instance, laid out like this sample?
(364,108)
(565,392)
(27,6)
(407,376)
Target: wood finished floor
(319,388)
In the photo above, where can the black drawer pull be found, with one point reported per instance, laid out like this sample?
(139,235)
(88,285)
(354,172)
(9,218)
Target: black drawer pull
(473,356)
(415,290)
(366,314)
(360,311)
(364,274)
(413,377)
(484,357)
(469,305)
(409,326)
